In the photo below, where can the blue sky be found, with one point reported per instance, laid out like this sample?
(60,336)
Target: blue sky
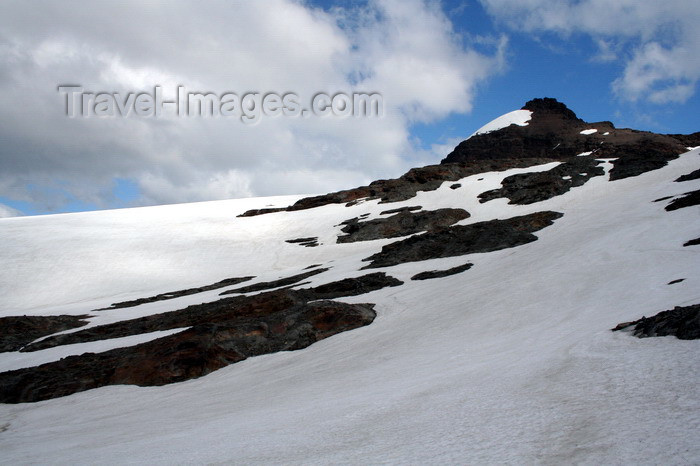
(444,69)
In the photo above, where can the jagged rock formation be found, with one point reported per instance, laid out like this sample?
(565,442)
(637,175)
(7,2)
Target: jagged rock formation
(459,240)
(309,242)
(694,175)
(552,134)
(692,242)
(403,223)
(224,309)
(397,210)
(350,286)
(427,178)
(288,324)
(269,210)
(220,333)
(681,321)
(528,188)
(177,294)
(287,281)
(686,200)
(430,274)
(16,332)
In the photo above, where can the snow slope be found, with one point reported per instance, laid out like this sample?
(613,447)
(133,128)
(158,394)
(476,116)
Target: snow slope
(516,117)
(509,362)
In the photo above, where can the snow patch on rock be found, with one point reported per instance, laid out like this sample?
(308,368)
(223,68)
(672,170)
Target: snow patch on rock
(517,117)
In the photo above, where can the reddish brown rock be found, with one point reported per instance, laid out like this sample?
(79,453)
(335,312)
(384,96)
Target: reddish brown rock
(192,353)
(18,331)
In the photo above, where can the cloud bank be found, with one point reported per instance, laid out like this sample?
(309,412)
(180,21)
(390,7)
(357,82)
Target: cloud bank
(407,51)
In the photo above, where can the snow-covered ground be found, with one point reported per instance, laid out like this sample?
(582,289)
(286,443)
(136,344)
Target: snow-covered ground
(509,362)
(516,117)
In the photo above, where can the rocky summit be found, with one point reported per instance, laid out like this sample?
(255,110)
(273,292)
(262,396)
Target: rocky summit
(253,328)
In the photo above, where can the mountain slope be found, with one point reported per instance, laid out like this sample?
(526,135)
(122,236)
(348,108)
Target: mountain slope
(509,360)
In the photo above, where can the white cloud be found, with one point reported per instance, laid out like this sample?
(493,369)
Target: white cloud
(7,211)
(663,38)
(405,50)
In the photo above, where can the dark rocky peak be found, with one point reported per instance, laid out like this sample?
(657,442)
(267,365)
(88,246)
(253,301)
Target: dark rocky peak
(550,106)
(554,132)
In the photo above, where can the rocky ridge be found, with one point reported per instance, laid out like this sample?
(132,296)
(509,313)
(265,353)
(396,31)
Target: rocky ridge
(552,134)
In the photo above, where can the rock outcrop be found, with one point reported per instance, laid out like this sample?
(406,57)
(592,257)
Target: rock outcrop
(286,281)
(18,331)
(177,294)
(222,310)
(197,351)
(309,242)
(528,188)
(694,175)
(427,178)
(430,274)
(686,200)
(555,133)
(682,322)
(402,223)
(218,334)
(459,240)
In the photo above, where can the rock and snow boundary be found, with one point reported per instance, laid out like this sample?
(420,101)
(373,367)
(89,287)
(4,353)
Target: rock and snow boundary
(511,360)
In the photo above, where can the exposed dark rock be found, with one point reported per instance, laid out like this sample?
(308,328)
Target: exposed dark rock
(400,209)
(682,321)
(400,224)
(177,294)
(309,242)
(663,198)
(350,286)
(692,242)
(694,175)
(464,239)
(673,282)
(220,333)
(302,240)
(687,200)
(312,266)
(688,140)
(554,132)
(528,188)
(193,353)
(442,273)
(275,283)
(646,153)
(254,212)
(427,178)
(456,185)
(222,310)
(18,331)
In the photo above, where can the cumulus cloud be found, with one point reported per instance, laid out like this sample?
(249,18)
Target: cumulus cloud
(407,51)
(660,40)
(7,211)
